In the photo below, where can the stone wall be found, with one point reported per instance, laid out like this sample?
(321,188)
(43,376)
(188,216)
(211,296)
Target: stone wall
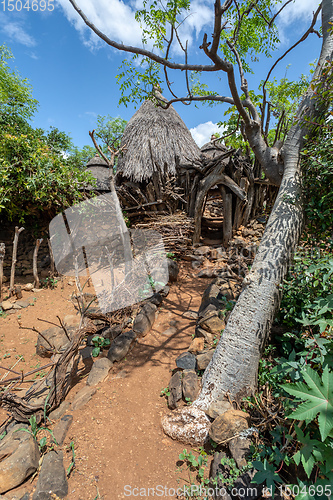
(26,245)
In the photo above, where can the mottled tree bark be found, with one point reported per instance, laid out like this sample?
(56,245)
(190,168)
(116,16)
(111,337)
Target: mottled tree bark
(234,366)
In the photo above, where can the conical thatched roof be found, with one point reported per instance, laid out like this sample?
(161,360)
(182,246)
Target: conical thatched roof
(212,150)
(155,136)
(100,170)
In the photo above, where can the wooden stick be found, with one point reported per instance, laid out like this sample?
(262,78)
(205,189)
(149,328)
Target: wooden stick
(52,263)
(34,263)
(2,257)
(12,271)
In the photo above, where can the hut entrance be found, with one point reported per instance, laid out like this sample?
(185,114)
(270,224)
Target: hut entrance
(222,193)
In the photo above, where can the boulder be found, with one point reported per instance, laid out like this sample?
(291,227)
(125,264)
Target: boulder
(203,250)
(172,330)
(6,305)
(219,471)
(61,429)
(52,479)
(82,397)
(228,425)
(175,388)
(60,411)
(156,299)
(208,273)
(145,319)
(200,332)
(23,303)
(186,361)
(111,332)
(19,457)
(191,385)
(218,408)
(121,345)
(210,297)
(212,323)
(173,270)
(239,448)
(99,371)
(197,345)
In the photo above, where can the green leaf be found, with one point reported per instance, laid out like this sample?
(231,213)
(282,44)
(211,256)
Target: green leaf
(95,352)
(266,473)
(318,396)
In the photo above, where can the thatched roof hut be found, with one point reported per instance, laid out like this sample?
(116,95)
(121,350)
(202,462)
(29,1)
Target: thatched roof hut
(153,138)
(212,150)
(100,170)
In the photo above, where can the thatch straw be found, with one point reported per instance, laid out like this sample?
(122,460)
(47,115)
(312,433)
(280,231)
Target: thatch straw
(153,138)
(100,170)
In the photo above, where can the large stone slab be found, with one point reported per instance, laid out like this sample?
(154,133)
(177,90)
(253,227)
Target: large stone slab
(186,361)
(99,371)
(82,397)
(19,457)
(175,388)
(120,346)
(203,359)
(144,321)
(52,479)
(191,385)
(228,425)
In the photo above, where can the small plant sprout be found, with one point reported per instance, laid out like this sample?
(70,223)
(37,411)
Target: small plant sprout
(99,343)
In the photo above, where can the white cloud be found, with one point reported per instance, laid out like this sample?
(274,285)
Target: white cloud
(116,19)
(16,33)
(202,132)
(113,17)
(299,10)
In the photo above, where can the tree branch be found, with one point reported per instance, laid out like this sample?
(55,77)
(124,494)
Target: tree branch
(143,52)
(304,37)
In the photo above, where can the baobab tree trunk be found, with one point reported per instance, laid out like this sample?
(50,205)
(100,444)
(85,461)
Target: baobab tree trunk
(234,366)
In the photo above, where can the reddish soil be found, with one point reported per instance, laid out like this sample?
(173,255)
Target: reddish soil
(119,443)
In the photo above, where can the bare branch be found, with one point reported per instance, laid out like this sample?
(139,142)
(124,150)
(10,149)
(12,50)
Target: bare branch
(219,11)
(304,37)
(143,52)
(210,97)
(275,16)
(100,152)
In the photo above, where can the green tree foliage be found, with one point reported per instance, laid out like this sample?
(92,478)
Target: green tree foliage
(15,92)
(38,178)
(109,130)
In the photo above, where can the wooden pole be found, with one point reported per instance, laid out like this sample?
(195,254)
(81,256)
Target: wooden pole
(2,257)
(52,263)
(34,263)
(12,271)
(227,214)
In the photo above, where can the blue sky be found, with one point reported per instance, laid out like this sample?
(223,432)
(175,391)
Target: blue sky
(73,73)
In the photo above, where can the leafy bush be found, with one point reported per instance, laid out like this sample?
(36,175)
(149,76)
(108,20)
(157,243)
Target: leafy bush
(36,180)
(318,180)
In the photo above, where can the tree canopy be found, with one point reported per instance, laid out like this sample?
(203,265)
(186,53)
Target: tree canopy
(39,177)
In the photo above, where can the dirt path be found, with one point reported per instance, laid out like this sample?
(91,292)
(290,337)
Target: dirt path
(119,443)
